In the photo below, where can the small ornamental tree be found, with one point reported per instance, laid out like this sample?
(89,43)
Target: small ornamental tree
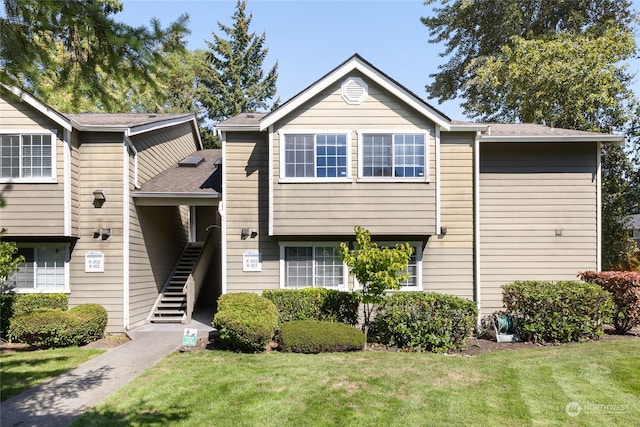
(377,269)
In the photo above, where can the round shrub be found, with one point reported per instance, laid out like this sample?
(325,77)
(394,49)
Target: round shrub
(314,304)
(424,321)
(44,328)
(93,320)
(558,311)
(246,321)
(47,327)
(313,336)
(14,304)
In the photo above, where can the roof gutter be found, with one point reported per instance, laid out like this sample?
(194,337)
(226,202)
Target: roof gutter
(559,138)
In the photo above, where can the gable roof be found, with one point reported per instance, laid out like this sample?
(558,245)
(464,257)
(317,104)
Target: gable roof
(130,123)
(51,113)
(200,180)
(356,63)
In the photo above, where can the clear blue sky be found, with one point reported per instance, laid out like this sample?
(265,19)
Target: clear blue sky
(308,38)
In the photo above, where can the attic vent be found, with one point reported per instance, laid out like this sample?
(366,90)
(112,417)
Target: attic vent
(191,162)
(354,90)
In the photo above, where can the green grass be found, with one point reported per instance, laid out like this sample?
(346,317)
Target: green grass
(22,370)
(524,387)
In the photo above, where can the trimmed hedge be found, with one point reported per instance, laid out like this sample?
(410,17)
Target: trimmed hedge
(424,321)
(314,336)
(13,304)
(48,327)
(624,287)
(558,311)
(246,322)
(314,304)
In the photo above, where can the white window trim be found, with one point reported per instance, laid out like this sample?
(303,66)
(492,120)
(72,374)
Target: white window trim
(417,247)
(281,143)
(283,245)
(54,289)
(362,132)
(54,158)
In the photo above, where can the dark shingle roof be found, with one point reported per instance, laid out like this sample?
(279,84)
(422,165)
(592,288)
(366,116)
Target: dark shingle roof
(243,119)
(125,120)
(529,129)
(205,178)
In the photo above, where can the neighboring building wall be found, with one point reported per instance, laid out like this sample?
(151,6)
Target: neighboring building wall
(32,209)
(538,214)
(160,149)
(101,160)
(447,263)
(247,206)
(334,208)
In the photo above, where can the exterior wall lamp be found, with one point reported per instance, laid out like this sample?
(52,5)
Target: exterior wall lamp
(99,198)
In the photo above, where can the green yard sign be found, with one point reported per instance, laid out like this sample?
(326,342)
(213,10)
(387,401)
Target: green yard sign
(190,337)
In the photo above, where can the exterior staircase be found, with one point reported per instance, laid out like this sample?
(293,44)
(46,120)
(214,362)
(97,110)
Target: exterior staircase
(171,304)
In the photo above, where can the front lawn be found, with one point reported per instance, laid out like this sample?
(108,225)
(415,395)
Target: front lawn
(581,384)
(22,370)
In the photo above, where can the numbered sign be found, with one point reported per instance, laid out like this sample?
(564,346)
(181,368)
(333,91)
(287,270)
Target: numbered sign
(94,262)
(251,261)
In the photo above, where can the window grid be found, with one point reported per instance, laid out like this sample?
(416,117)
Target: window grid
(307,267)
(316,156)
(26,156)
(393,155)
(412,269)
(299,156)
(43,268)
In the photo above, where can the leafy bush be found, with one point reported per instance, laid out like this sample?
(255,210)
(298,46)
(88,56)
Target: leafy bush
(93,320)
(313,336)
(558,311)
(13,304)
(314,304)
(245,321)
(624,287)
(48,327)
(424,321)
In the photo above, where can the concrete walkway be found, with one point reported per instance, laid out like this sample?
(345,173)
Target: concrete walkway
(61,400)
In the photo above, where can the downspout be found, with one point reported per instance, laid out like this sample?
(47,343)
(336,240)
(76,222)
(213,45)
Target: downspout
(222,210)
(125,233)
(438,190)
(599,207)
(476,224)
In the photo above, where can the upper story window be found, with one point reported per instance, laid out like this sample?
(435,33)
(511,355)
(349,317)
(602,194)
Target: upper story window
(316,156)
(393,155)
(28,157)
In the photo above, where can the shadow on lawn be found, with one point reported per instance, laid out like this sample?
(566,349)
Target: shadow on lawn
(143,414)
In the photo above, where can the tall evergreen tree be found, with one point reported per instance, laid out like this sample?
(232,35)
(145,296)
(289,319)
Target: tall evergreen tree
(234,79)
(77,47)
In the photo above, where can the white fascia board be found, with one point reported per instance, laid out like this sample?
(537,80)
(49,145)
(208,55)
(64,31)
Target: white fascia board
(64,122)
(559,138)
(161,195)
(474,127)
(354,65)
(241,128)
(160,125)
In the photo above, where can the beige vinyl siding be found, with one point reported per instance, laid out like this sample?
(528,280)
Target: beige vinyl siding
(334,208)
(530,193)
(247,206)
(447,264)
(32,209)
(158,234)
(161,149)
(101,160)
(75,184)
